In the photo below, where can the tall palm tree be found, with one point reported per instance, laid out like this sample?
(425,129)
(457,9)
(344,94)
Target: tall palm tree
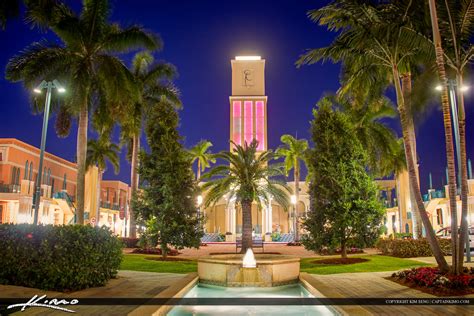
(457,251)
(294,151)
(86,62)
(247,178)
(99,151)
(153,81)
(376,38)
(204,158)
(456,30)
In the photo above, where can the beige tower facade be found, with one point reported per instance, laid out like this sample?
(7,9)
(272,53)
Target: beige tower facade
(248,102)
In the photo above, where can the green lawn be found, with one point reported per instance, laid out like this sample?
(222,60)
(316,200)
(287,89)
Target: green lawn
(137,262)
(376,263)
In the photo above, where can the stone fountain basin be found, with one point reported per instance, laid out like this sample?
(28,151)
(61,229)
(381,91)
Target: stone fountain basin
(227,270)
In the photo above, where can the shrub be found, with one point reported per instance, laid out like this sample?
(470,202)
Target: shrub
(130,242)
(60,258)
(409,248)
(275,236)
(155,251)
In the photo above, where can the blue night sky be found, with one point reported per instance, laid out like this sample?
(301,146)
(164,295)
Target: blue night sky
(200,38)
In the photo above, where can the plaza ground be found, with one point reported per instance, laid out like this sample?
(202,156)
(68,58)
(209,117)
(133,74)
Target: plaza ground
(137,284)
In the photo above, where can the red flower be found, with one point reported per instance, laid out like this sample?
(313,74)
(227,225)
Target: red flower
(29,236)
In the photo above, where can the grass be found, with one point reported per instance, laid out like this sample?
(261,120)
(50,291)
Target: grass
(137,262)
(376,263)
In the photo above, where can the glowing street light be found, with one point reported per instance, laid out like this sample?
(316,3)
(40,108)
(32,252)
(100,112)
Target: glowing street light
(199,200)
(293,199)
(48,85)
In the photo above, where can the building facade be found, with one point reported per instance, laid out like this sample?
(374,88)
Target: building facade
(18,174)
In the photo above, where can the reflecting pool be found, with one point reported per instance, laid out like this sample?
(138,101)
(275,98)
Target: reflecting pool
(287,291)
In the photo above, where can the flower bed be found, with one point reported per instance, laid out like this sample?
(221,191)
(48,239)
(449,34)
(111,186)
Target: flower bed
(351,250)
(431,280)
(155,251)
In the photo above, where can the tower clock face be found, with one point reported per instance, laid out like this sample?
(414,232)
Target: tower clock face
(248,77)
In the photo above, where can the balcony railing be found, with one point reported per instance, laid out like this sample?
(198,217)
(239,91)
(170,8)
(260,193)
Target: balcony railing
(9,188)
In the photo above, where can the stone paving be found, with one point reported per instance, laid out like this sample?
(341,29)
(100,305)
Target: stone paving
(129,284)
(374,285)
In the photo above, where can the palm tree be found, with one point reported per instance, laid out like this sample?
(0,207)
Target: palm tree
(458,62)
(375,40)
(98,153)
(456,30)
(294,151)
(153,81)
(86,62)
(247,178)
(200,153)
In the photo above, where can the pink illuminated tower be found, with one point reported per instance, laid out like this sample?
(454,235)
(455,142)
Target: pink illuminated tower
(248,103)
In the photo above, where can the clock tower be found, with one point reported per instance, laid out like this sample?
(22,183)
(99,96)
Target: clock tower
(248,103)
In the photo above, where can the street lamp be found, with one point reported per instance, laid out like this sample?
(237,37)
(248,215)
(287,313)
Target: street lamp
(48,85)
(452,85)
(293,201)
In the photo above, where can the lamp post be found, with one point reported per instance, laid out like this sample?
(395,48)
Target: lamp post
(48,85)
(452,85)
(295,228)
(199,203)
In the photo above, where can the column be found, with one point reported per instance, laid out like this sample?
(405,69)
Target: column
(230,222)
(268,222)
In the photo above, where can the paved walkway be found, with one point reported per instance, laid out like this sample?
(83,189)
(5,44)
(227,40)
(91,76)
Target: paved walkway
(374,285)
(129,284)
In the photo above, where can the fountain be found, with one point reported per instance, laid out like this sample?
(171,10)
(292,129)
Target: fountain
(261,270)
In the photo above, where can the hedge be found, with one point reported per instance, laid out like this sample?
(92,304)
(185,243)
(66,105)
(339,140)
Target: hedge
(409,248)
(60,258)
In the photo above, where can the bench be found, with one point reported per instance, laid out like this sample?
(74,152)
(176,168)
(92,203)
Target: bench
(256,243)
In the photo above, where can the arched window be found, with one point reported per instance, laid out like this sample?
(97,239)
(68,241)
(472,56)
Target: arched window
(25,177)
(13,180)
(407,228)
(64,182)
(30,177)
(45,176)
(49,177)
(17,180)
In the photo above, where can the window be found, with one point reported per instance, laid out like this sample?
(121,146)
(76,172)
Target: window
(1,214)
(30,177)
(408,215)
(1,156)
(13,178)
(52,186)
(236,122)
(407,228)
(45,176)
(439,216)
(17,179)
(49,177)
(64,182)
(248,122)
(260,124)
(25,177)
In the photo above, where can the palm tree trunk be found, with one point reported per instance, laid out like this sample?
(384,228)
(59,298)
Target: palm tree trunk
(246,225)
(448,135)
(198,174)
(464,183)
(404,120)
(297,195)
(134,180)
(81,163)
(100,174)
(406,91)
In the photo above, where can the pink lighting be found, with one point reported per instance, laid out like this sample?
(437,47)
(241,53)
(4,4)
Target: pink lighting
(237,122)
(248,122)
(260,124)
